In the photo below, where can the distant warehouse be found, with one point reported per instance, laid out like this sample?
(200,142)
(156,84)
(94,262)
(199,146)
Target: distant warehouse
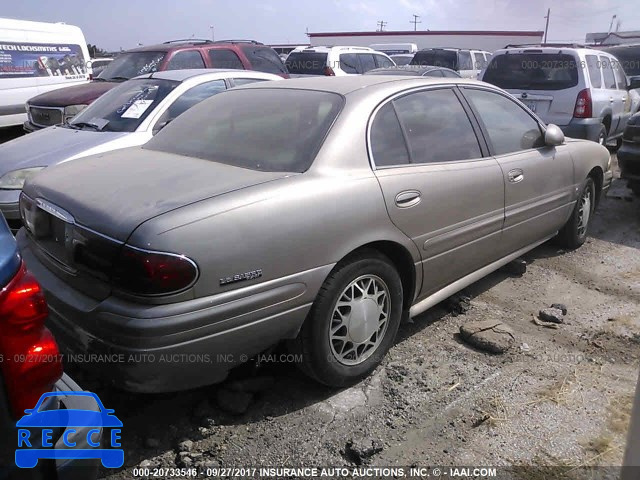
(481,40)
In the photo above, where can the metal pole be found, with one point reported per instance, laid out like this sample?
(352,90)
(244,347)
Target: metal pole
(631,463)
(546,27)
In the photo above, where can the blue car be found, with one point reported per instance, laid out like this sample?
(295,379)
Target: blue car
(90,421)
(27,377)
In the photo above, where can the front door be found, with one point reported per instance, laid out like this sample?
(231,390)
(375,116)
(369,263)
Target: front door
(538,180)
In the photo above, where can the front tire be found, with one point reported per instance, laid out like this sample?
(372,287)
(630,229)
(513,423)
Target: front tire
(575,231)
(353,321)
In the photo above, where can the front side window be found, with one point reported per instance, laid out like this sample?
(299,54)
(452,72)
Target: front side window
(387,142)
(509,127)
(383,62)
(225,58)
(124,108)
(437,127)
(186,59)
(349,63)
(250,129)
(129,65)
(594,71)
(464,58)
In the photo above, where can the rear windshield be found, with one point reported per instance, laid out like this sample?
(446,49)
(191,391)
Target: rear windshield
(249,128)
(532,71)
(129,65)
(437,58)
(264,59)
(309,63)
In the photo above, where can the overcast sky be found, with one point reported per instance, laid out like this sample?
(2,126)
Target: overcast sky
(113,24)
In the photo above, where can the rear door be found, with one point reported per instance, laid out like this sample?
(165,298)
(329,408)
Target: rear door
(612,97)
(547,83)
(538,180)
(622,95)
(440,186)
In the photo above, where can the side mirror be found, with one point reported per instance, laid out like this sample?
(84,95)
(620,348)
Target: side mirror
(553,136)
(160,126)
(634,83)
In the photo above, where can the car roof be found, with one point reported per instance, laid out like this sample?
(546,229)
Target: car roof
(182,75)
(178,44)
(328,48)
(351,83)
(547,49)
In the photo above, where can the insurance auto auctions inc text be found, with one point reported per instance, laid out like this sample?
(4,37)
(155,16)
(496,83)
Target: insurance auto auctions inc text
(355,472)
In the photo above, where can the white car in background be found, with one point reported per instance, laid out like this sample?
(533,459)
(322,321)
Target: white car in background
(126,116)
(338,61)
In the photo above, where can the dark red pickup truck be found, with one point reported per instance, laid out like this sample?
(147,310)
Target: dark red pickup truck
(59,106)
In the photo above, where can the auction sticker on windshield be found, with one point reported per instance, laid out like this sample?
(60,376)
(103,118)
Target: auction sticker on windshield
(137,109)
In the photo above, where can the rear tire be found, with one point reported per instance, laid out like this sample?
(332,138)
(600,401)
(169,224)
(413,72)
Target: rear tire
(353,321)
(602,135)
(574,233)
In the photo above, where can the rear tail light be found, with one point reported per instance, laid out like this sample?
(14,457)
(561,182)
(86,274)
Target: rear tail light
(143,272)
(583,108)
(328,72)
(31,364)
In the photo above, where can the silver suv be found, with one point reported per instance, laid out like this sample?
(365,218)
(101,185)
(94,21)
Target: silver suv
(582,90)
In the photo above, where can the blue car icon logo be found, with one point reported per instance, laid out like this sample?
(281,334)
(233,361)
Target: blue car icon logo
(82,433)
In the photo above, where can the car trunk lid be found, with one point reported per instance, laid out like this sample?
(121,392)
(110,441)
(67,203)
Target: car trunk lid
(81,213)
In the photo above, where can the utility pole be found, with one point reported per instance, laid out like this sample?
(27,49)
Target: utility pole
(382,24)
(611,25)
(212,37)
(546,27)
(415,22)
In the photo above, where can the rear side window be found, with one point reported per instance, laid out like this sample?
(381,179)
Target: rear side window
(264,59)
(464,59)
(437,127)
(366,62)
(250,128)
(225,58)
(621,78)
(387,142)
(510,128)
(349,63)
(607,71)
(532,71)
(594,71)
(307,63)
(186,59)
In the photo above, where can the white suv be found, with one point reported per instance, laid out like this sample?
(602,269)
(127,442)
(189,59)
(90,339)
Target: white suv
(336,61)
(582,90)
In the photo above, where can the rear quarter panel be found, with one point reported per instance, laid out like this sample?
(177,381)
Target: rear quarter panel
(588,156)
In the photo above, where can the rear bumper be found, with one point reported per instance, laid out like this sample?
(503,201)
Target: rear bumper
(584,128)
(629,160)
(179,346)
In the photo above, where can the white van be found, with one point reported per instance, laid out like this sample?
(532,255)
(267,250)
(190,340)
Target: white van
(37,57)
(394,48)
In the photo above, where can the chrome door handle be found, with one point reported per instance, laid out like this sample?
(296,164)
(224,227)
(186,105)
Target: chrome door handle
(515,176)
(408,198)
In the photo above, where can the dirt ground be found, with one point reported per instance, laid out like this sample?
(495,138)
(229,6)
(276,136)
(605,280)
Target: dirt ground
(560,397)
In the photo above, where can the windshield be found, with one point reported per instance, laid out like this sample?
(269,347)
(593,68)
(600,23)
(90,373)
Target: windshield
(437,58)
(249,128)
(309,63)
(125,107)
(129,65)
(532,71)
